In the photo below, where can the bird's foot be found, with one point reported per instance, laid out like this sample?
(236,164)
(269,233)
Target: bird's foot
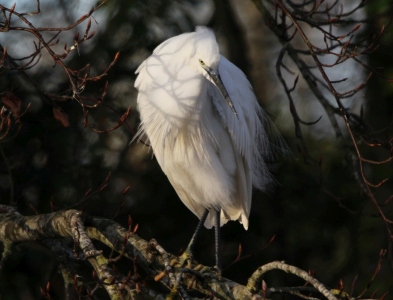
(214,272)
(186,260)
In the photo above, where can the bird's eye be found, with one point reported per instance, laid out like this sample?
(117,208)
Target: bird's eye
(201,62)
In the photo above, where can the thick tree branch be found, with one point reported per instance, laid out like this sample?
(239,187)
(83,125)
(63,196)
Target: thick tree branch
(148,255)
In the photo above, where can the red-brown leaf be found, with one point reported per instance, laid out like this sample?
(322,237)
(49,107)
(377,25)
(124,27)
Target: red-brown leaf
(61,116)
(12,103)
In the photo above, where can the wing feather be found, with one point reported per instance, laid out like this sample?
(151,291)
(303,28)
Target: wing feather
(248,132)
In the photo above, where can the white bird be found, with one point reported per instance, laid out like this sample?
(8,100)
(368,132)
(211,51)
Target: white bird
(205,126)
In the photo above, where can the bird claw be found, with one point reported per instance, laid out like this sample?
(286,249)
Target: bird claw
(205,269)
(186,259)
(215,272)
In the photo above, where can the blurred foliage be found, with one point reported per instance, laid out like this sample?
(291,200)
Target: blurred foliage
(316,214)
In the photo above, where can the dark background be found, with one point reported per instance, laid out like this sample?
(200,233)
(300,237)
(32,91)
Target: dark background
(312,229)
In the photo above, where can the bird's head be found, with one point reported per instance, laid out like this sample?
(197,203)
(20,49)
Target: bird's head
(206,54)
(207,59)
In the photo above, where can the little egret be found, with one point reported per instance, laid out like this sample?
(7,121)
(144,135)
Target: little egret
(205,127)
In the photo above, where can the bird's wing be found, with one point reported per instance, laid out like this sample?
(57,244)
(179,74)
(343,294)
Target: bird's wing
(247,132)
(253,133)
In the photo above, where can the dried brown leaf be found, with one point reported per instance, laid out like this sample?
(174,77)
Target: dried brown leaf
(61,116)
(13,103)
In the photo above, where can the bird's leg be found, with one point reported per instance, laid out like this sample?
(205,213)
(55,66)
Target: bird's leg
(191,245)
(217,239)
(187,255)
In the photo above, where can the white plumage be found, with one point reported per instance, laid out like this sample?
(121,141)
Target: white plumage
(211,155)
